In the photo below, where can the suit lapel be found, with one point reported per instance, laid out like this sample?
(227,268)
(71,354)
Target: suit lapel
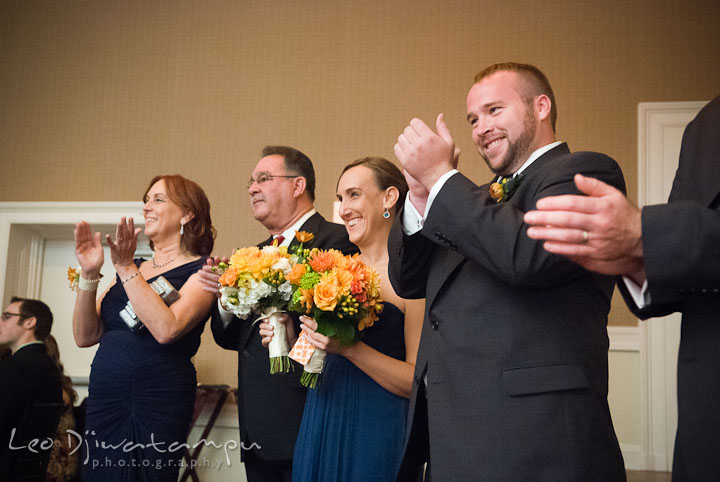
(557,151)
(267,242)
(448,261)
(312,225)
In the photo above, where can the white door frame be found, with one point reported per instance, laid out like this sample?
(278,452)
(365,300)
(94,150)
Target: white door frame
(659,126)
(56,213)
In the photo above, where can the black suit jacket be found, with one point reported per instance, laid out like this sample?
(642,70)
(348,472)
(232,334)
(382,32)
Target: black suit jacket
(681,245)
(270,407)
(514,343)
(29,376)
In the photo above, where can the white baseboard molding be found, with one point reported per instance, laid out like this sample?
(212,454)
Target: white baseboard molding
(636,459)
(624,338)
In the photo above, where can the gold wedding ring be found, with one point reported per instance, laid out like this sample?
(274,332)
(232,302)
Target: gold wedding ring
(586,237)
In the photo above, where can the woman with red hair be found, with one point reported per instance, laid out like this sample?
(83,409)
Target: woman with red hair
(148,325)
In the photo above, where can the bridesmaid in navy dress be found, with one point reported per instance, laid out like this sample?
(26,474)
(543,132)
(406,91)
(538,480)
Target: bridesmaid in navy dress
(142,381)
(353,426)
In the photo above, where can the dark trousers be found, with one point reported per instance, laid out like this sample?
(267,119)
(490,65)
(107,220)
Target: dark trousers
(417,449)
(258,469)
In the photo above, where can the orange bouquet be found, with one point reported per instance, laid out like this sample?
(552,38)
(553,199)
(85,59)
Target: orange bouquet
(341,293)
(254,282)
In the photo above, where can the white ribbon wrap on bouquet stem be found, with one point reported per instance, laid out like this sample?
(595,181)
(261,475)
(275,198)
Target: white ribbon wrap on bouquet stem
(312,358)
(278,348)
(316,362)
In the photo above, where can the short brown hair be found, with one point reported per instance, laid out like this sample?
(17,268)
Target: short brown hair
(296,162)
(386,174)
(535,82)
(38,310)
(199,236)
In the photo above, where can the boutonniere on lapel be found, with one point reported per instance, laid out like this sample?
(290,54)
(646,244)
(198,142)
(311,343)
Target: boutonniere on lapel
(305,239)
(503,190)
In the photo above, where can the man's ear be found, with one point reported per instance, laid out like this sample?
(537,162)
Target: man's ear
(543,106)
(29,323)
(299,185)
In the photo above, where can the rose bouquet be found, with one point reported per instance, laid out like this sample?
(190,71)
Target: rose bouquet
(341,293)
(255,282)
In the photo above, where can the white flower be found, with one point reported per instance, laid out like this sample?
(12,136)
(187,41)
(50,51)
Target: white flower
(261,290)
(283,264)
(285,291)
(270,249)
(228,293)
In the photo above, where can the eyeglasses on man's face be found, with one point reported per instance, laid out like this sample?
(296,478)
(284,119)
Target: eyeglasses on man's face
(263,178)
(7,315)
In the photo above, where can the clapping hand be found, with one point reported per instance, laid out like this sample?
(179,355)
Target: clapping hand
(89,250)
(417,193)
(601,231)
(426,155)
(122,249)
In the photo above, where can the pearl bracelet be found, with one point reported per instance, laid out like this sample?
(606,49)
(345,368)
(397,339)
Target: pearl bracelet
(130,277)
(88,284)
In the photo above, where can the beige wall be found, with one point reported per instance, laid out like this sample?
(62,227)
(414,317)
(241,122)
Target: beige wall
(98,96)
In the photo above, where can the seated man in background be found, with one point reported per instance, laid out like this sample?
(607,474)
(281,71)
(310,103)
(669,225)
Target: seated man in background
(29,380)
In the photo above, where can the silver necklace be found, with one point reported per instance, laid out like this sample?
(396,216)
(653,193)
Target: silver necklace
(155,265)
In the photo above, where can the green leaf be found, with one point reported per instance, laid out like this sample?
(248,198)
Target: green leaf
(326,325)
(345,333)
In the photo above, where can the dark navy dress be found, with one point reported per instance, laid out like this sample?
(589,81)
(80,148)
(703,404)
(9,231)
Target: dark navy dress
(352,428)
(141,395)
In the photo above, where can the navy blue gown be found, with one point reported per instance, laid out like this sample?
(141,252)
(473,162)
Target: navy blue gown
(141,395)
(352,428)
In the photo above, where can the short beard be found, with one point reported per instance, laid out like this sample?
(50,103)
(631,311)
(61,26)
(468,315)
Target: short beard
(518,151)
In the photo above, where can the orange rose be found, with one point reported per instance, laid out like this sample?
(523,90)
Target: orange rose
(297,272)
(325,296)
(229,277)
(497,191)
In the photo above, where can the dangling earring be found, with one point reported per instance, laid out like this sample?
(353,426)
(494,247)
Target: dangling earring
(182,229)
(386,214)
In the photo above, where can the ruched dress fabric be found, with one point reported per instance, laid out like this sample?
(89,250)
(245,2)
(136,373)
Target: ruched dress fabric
(352,428)
(141,395)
